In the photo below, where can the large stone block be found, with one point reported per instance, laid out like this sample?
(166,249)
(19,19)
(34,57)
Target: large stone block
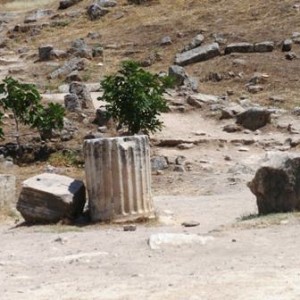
(118,176)
(276,184)
(48,198)
(198,54)
(7,192)
(254,118)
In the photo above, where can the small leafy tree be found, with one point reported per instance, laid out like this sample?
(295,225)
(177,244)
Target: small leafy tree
(24,101)
(135,98)
(49,118)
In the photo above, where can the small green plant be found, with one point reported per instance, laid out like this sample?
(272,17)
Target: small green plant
(24,102)
(135,98)
(49,118)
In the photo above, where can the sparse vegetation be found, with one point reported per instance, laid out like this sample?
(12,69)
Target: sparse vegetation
(24,102)
(135,98)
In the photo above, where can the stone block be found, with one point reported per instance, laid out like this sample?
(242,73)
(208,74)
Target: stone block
(48,198)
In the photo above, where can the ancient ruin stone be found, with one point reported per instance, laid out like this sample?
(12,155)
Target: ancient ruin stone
(254,118)
(96,11)
(7,192)
(287,45)
(276,184)
(81,91)
(45,52)
(48,198)
(118,176)
(198,54)
(264,47)
(72,102)
(196,42)
(239,47)
(178,74)
(159,163)
(67,3)
(69,66)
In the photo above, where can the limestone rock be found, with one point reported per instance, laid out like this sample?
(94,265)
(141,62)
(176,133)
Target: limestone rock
(79,48)
(287,45)
(264,47)
(254,118)
(37,14)
(239,47)
(196,42)
(72,102)
(48,198)
(69,66)
(7,192)
(159,163)
(63,4)
(276,184)
(45,52)
(178,74)
(96,11)
(81,91)
(198,54)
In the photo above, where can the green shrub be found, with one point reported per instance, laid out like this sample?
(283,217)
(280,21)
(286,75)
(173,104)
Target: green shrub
(135,98)
(24,102)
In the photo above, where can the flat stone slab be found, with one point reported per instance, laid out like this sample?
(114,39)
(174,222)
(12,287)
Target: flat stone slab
(158,240)
(48,198)
(198,54)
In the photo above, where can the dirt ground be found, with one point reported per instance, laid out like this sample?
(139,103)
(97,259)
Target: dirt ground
(233,253)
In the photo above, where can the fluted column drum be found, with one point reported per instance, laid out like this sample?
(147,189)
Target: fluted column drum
(118,178)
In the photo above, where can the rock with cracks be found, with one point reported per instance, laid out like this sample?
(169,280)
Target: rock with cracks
(276,184)
(198,54)
(48,198)
(254,118)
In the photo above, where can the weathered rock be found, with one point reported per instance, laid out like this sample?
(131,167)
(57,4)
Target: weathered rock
(239,47)
(231,111)
(48,198)
(159,240)
(159,163)
(72,102)
(38,14)
(81,91)
(198,54)
(67,3)
(198,100)
(258,78)
(196,42)
(178,74)
(291,56)
(45,52)
(102,117)
(73,76)
(69,66)
(106,3)
(287,45)
(96,11)
(276,184)
(118,178)
(231,128)
(7,192)
(254,118)
(253,89)
(79,48)
(165,41)
(264,47)
(58,54)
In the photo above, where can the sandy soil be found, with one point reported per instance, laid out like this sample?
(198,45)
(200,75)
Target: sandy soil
(245,258)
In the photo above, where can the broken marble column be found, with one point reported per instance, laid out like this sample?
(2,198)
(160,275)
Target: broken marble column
(118,178)
(7,192)
(49,198)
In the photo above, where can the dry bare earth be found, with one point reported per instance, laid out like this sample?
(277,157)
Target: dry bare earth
(249,259)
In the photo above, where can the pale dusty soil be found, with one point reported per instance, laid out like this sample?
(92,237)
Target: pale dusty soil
(251,259)
(254,259)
